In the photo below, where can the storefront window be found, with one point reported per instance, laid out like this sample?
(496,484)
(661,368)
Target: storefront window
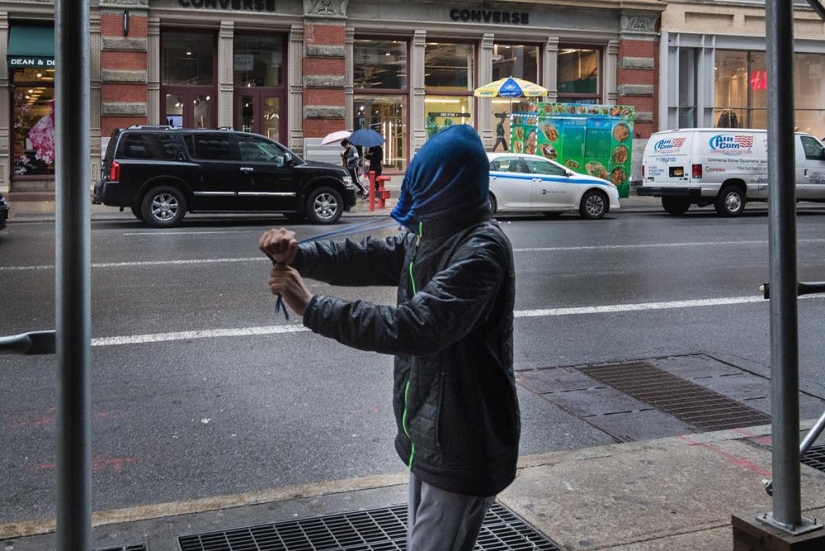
(380,64)
(33,147)
(380,74)
(742,89)
(448,67)
(445,111)
(386,115)
(510,60)
(188,59)
(449,83)
(579,72)
(258,61)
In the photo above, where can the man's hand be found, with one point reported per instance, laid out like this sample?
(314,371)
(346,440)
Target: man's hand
(279,244)
(288,283)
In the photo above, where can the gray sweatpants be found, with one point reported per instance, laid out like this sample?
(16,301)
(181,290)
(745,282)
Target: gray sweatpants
(443,521)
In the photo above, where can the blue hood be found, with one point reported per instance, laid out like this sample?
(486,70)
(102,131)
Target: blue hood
(448,179)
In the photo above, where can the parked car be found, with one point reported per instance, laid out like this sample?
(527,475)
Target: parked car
(4,212)
(161,173)
(522,182)
(723,167)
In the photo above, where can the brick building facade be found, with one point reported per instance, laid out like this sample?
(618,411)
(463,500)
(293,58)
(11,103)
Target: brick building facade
(297,70)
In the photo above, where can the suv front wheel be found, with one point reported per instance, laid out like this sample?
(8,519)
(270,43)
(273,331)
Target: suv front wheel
(324,206)
(163,207)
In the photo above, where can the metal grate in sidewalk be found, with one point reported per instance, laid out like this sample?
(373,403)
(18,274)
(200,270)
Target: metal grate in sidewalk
(692,404)
(815,457)
(374,530)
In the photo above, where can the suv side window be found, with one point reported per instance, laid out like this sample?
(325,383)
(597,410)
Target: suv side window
(254,148)
(209,147)
(145,145)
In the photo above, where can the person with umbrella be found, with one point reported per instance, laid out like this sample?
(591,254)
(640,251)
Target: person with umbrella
(350,158)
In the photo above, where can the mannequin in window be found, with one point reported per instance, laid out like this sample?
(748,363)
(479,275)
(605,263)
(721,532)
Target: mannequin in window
(41,136)
(727,119)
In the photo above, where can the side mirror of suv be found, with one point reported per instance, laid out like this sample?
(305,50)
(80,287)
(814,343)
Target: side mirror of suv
(287,159)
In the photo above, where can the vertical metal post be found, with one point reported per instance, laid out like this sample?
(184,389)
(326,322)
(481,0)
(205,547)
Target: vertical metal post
(73,275)
(783,276)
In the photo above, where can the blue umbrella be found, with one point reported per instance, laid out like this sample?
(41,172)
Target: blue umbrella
(366,137)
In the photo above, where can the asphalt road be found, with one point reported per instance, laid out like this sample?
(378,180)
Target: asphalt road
(200,389)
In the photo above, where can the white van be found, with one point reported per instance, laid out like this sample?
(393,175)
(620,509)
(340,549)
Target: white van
(724,167)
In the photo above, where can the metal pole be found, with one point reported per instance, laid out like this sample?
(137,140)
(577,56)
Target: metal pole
(783,306)
(73,275)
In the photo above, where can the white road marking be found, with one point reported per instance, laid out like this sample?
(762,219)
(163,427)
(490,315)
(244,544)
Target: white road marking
(653,246)
(205,334)
(550,312)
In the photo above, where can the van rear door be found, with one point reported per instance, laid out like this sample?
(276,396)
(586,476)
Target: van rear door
(667,159)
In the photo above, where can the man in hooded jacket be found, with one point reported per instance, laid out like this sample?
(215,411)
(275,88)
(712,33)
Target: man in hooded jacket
(451,332)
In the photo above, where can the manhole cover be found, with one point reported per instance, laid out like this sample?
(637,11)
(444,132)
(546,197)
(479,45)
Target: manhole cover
(378,529)
(690,403)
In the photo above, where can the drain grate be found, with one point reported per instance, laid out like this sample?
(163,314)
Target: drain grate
(137,547)
(375,530)
(815,457)
(690,403)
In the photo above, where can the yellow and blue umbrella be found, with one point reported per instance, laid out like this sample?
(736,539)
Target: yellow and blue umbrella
(510,88)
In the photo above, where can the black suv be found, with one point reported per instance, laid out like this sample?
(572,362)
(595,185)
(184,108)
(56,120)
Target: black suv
(161,173)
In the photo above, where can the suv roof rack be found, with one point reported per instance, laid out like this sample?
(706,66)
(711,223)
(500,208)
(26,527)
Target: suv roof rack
(151,126)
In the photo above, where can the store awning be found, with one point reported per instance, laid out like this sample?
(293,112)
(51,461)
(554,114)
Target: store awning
(30,46)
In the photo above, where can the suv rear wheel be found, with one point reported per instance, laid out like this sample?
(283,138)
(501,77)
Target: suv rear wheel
(137,212)
(163,207)
(324,206)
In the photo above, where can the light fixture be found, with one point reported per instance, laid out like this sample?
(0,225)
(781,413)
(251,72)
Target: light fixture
(188,53)
(125,22)
(207,98)
(39,75)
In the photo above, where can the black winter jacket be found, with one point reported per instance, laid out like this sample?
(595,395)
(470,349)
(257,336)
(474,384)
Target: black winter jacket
(452,336)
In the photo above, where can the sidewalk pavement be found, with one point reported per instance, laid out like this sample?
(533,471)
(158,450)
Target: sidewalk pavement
(669,494)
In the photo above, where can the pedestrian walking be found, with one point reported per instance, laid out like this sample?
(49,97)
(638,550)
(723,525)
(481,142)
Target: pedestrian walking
(451,332)
(350,159)
(500,134)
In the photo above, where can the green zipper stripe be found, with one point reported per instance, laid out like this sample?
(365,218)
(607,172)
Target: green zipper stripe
(407,387)
(404,425)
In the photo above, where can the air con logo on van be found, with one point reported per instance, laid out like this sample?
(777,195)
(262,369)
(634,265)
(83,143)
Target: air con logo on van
(731,144)
(669,145)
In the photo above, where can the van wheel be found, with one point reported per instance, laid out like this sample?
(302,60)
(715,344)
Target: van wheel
(163,207)
(324,206)
(730,201)
(676,205)
(594,205)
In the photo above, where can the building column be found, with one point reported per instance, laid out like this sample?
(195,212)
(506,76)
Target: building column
(5,114)
(324,68)
(611,68)
(418,114)
(95,43)
(226,88)
(484,118)
(295,102)
(550,78)
(123,63)
(153,109)
(637,52)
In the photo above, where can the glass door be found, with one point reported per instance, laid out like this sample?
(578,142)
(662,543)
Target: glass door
(259,112)
(189,109)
